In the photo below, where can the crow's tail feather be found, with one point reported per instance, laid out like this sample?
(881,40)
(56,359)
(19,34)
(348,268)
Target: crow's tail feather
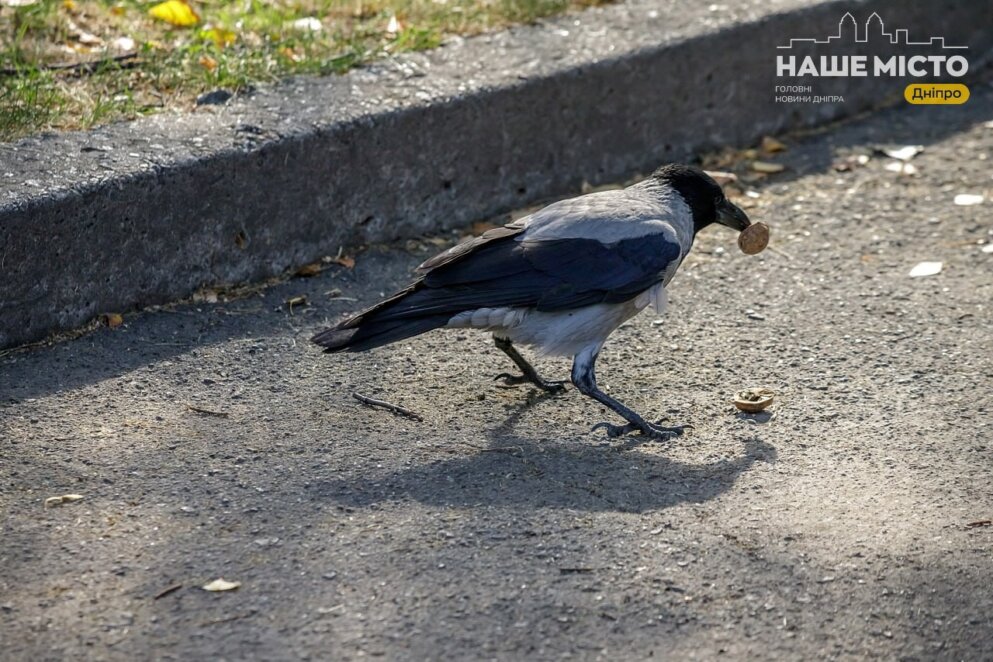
(370,333)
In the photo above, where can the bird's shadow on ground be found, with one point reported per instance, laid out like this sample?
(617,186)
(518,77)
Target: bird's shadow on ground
(633,475)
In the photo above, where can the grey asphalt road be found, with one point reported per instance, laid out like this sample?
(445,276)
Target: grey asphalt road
(846,523)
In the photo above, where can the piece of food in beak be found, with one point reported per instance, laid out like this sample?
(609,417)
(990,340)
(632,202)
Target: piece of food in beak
(754,238)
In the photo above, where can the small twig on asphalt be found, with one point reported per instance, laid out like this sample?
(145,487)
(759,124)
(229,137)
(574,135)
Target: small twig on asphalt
(166,591)
(977,524)
(575,571)
(208,412)
(396,409)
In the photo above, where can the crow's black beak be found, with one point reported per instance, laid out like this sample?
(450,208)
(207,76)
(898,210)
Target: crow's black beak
(732,216)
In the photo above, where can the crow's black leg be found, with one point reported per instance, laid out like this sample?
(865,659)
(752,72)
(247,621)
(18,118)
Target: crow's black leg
(530,374)
(584,377)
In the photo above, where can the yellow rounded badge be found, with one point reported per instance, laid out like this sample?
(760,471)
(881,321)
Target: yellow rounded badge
(936,93)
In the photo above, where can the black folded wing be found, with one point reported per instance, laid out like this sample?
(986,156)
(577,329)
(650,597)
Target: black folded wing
(549,275)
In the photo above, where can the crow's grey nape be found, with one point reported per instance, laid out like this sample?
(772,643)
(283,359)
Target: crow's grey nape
(698,189)
(584,378)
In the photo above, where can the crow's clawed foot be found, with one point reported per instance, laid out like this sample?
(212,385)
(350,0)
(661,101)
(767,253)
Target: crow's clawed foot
(650,430)
(510,381)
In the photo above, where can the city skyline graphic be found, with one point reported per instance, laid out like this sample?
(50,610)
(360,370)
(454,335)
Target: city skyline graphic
(848,32)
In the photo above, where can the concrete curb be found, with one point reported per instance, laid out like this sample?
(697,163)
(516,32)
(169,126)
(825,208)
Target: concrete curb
(145,212)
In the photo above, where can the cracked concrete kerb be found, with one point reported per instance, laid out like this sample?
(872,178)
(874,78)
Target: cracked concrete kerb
(139,213)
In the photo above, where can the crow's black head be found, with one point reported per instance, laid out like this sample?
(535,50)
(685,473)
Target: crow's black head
(703,195)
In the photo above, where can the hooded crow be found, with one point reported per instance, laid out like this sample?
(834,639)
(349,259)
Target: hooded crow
(560,280)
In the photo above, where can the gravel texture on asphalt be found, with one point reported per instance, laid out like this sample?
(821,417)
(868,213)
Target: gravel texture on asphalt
(835,525)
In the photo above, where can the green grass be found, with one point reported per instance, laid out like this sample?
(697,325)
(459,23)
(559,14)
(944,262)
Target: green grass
(234,45)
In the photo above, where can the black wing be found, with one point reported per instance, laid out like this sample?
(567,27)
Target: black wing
(550,275)
(497,270)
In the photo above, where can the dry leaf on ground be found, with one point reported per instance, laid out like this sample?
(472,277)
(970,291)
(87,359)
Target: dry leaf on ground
(175,12)
(113,320)
(219,36)
(221,584)
(770,145)
(767,168)
(308,270)
(345,261)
